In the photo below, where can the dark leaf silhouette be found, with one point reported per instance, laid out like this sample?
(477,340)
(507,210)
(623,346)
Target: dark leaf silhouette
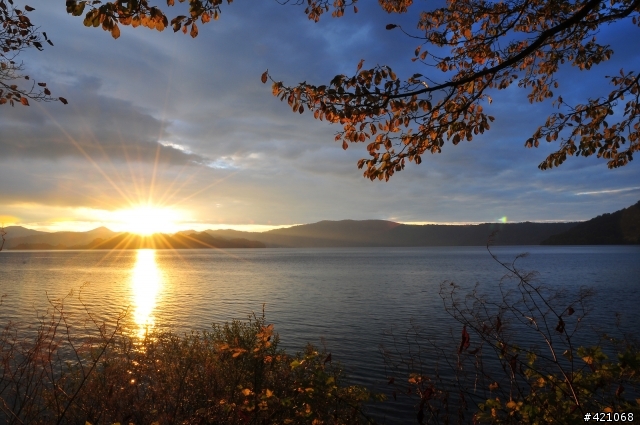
(17,35)
(464,340)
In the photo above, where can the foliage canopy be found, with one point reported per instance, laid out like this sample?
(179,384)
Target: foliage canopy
(17,34)
(470,49)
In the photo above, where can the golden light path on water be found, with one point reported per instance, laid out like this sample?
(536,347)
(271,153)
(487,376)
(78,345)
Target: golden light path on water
(146,283)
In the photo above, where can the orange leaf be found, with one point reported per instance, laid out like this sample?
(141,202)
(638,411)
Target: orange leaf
(24,101)
(264,76)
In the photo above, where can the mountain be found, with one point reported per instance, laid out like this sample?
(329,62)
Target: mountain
(380,233)
(162,241)
(19,231)
(20,236)
(38,246)
(619,228)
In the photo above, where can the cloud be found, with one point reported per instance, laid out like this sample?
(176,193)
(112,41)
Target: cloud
(610,191)
(94,127)
(187,122)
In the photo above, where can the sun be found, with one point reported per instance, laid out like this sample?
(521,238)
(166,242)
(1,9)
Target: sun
(146,220)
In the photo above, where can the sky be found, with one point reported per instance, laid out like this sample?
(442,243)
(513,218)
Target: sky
(184,128)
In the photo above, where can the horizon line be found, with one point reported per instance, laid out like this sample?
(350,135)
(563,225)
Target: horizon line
(261,228)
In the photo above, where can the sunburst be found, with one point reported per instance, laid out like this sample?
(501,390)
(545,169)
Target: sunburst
(148,219)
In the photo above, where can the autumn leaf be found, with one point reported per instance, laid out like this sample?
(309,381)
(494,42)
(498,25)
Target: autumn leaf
(63,100)
(264,77)
(24,101)
(464,340)
(115,32)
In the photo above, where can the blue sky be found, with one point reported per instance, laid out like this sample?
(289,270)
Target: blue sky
(186,124)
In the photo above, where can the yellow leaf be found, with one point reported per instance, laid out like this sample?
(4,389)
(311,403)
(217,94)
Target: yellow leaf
(511,404)
(608,410)
(246,392)
(269,393)
(588,359)
(115,32)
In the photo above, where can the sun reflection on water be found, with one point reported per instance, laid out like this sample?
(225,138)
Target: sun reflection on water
(146,281)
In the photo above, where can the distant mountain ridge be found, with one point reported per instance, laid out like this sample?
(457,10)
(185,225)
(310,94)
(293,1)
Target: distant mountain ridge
(618,228)
(16,235)
(194,240)
(381,233)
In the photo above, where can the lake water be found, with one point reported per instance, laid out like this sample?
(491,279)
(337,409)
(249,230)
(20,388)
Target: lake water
(348,297)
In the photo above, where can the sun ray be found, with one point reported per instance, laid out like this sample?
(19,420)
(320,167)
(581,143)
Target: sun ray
(85,154)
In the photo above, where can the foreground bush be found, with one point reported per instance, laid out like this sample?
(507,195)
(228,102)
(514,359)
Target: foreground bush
(517,360)
(233,374)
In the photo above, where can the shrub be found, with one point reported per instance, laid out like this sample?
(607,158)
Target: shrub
(516,360)
(232,374)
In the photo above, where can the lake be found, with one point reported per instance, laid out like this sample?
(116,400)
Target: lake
(345,297)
